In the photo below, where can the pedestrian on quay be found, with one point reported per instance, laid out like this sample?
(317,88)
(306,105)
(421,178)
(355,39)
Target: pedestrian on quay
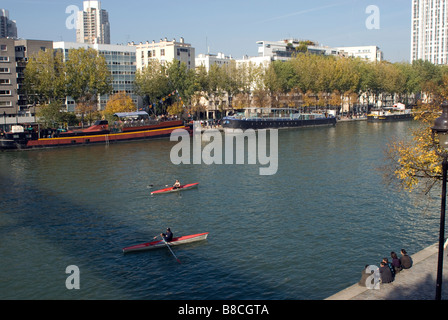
(396,262)
(405,260)
(364,276)
(391,267)
(385,273)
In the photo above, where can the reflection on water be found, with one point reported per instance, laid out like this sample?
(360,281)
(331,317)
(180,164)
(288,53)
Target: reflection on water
(303,233)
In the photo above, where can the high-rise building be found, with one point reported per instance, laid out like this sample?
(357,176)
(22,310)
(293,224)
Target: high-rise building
(429,32)
(8,28)
(93,24)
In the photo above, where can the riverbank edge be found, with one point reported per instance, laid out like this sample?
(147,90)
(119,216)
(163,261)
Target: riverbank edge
(355,290)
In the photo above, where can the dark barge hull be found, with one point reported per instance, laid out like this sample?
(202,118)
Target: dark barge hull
(389,118)
(229,123)
(27,140)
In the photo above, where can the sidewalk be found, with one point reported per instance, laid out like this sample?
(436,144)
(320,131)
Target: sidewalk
(417,283)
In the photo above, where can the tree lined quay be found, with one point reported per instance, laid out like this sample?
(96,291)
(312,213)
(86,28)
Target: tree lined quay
(306,81)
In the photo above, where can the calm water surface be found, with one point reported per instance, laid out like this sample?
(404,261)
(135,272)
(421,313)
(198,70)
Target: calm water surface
(303,233)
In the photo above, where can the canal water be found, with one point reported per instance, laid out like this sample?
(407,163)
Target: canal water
(303,233)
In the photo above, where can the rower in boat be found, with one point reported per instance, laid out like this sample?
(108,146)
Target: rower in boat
(176,185)
(168,236)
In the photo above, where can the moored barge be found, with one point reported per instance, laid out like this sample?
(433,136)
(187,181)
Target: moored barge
(128,127)
(276,118)
(396,113)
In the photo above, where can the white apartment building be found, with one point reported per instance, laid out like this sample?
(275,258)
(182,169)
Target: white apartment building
(209,59)
(284,50)
(369,53)
(93,24)
(429,31)
(165,51)
(121,62)
(254,61)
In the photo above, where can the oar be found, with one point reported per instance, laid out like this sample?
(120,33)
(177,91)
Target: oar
(170,250)
(168,247)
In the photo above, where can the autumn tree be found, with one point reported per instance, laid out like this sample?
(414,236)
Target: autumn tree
(181,79)
(119,102)
(151,82)
(45,86)
(176,109)
(45,81)
(416,163)
(87,78)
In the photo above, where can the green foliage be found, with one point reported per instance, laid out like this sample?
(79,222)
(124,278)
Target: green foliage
(87,75)
(45,78)
(152,82)
(50,115)
(48,80)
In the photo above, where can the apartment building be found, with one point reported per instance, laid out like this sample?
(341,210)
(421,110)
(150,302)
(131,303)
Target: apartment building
(93,25)
(14,55)
(369,53)
(8,78)
(209,59)
(8,28)
(121,62)
(429,31)
(164,51)
(284,50)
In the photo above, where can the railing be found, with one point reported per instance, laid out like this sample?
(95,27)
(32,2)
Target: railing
(137,123)
(16,119)
(272,117)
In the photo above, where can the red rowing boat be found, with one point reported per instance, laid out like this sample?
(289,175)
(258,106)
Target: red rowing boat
(172,189)
(160,243)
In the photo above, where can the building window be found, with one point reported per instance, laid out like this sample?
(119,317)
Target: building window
(4,59)
(3,47)
(4,70)
(162,52)
(5,92)
(5,104)
(5,81)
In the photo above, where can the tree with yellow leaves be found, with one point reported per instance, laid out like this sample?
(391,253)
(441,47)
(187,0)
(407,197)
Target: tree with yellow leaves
(176,109)
(119,102)
(417,163)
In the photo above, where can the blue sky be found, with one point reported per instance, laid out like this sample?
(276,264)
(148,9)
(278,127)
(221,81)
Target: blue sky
(230,26)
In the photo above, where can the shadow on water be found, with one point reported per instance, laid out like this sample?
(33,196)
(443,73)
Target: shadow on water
(49,231)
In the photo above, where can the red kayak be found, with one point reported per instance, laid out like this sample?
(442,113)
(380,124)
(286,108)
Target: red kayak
(172,189)
(160,243)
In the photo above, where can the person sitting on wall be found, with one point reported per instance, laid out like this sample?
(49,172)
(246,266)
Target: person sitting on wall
(405,260)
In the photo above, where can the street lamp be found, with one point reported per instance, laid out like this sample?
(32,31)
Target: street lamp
(440,130)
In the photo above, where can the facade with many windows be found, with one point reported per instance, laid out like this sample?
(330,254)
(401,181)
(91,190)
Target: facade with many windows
(286,49)
(369,53)
(164,51)
(429,31)
(14,55)
(121,62)
(8,28)
(93,24)
(8,79)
